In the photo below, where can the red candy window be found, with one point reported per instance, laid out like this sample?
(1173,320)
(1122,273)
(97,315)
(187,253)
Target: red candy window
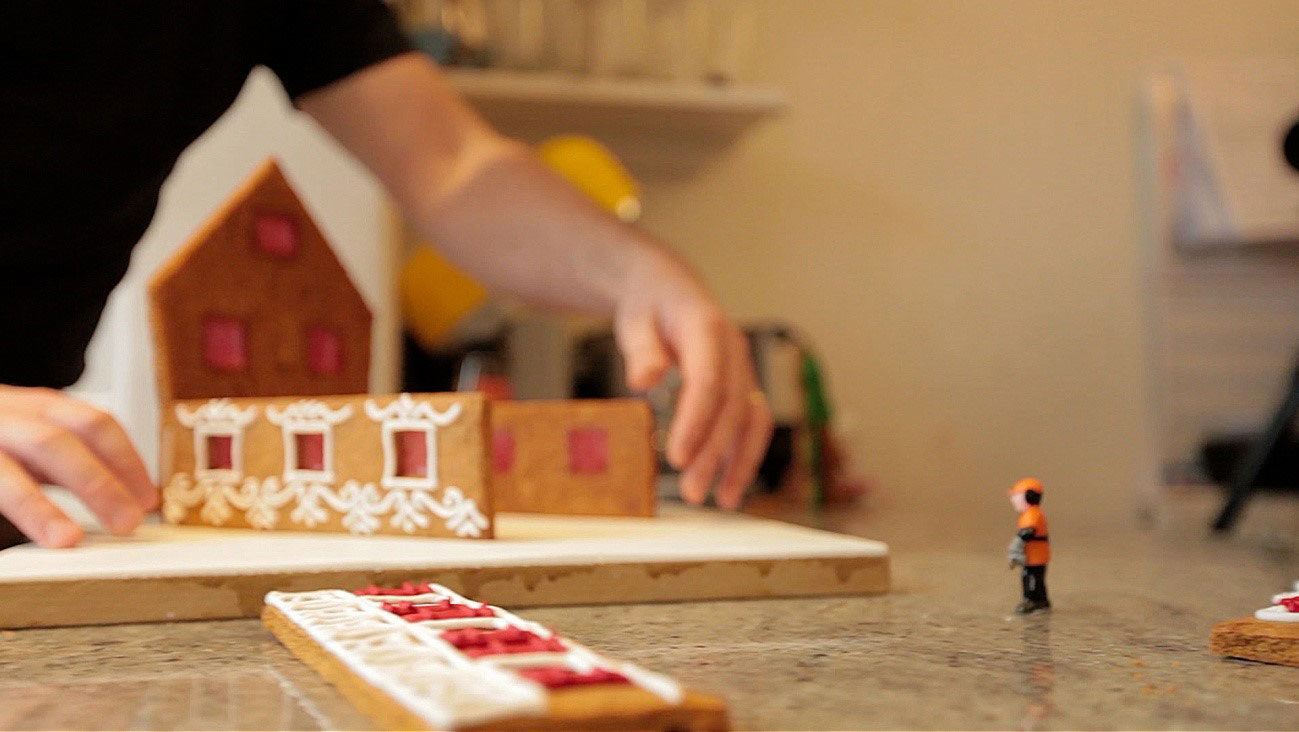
(502,450)
(1290,603)
(557,676)
(276,234)
(220,452)
(474,642)
(588,450)
(310,449)
(441,610)
(412,453)
(324,351)
(225,343)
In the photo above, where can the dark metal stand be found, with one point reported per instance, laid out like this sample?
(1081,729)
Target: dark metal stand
(1245,480)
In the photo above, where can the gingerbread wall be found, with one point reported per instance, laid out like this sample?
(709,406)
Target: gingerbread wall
(257,304)
(584,456)
(240,463)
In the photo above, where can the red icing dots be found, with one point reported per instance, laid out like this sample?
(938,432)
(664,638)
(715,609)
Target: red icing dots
(406,589)
(553,677)
(474,642)
(443,610)
(1290,603)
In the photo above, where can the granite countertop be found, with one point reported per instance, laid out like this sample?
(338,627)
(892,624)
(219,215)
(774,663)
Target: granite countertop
(1124,648)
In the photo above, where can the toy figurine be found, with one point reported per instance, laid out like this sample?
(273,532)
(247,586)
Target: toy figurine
(1030,550)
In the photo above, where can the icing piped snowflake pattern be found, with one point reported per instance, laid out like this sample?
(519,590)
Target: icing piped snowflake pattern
(407,505)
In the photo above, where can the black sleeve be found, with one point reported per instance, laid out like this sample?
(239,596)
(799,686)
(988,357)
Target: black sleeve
(313,43)
(1026,533)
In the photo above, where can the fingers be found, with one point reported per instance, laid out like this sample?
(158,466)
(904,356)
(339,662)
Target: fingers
(47,450)
(726,429)
(106,438)
(750,447)
(701,347)
(96,428)
(642,348)
(35,515)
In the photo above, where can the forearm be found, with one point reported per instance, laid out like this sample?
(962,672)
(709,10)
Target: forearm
(485,201)
(520,229)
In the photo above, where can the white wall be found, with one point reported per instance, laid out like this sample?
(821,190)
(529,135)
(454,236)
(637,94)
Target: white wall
(948,209)
(348,206)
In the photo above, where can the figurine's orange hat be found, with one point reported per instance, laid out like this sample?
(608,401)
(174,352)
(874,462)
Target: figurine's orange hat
(1026,485)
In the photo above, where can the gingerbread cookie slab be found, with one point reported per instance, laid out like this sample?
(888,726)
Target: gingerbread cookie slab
(1270,636)
(423,657)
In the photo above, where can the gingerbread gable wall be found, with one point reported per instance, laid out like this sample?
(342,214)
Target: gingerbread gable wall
(257,304)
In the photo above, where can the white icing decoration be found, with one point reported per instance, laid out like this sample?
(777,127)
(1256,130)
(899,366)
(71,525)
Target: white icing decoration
(409,500)
(1278,612)
(361,504)
(308,416)
(428,676)
(217,418)
(402,415)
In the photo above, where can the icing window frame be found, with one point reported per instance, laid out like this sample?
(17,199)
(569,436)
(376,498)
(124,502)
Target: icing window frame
(308,417)
(217,418)
(202,464)
(293,471)
(404,414)
(392,477)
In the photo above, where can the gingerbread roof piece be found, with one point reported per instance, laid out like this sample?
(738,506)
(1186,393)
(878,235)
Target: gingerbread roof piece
(257,304)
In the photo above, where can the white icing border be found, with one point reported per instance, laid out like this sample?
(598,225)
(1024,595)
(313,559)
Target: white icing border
(1277,612)
(432,679)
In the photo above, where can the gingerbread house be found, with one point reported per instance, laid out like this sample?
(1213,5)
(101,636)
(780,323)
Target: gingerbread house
(262,345)
(257,304)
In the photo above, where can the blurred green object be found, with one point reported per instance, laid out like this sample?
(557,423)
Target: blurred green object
(818,416)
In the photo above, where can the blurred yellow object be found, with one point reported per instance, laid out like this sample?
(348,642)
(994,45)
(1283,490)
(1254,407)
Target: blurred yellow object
(593,168)
(435,296)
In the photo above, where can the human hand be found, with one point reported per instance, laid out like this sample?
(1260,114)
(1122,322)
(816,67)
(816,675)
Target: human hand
(1015,553)
(722,421)
(49,437)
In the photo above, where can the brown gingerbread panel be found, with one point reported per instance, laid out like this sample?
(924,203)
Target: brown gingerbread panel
(410,464)
(1252,639)
(584,457)
(257,304)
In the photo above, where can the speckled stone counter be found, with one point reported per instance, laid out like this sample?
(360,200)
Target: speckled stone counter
(1124,648)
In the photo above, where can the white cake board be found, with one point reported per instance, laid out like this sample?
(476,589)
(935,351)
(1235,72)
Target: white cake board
(189,573)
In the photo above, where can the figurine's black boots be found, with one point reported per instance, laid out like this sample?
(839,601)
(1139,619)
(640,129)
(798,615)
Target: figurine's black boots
(1034,581)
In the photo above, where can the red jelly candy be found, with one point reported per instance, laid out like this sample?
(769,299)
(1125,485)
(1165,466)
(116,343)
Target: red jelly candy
(475,642)
(553,677)
(406,589)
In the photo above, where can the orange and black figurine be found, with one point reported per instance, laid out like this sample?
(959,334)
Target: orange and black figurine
(1030,549)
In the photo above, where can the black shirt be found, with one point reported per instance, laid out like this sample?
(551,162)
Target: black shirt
(97,100)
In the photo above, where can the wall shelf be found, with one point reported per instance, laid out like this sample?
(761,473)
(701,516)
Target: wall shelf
(653,124)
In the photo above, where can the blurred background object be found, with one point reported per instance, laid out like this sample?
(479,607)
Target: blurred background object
(683,40)
(1222,231)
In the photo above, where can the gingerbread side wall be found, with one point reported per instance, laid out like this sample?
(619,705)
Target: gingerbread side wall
(582,457)
(359,464)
